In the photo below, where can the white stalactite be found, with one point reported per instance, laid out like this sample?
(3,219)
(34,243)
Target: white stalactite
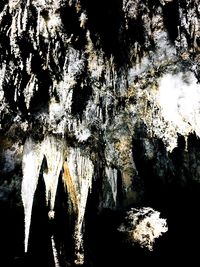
(33,155)
(32,160)
(29,90)
(81,170)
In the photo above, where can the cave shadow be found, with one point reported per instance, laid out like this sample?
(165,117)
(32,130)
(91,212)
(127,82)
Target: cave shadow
(171,185)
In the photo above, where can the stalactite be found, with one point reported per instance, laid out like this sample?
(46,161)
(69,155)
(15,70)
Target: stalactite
(33,154)
(2,98)
(81,173)
(84,79)
(70,188)
(32,160)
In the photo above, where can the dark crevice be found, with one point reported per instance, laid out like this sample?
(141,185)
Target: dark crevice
(105,25)
(2,4)
(120,190)
(25,46)
(71,26)
(36,63)
(5,48)
(81,94)
(40,99)
(171,18)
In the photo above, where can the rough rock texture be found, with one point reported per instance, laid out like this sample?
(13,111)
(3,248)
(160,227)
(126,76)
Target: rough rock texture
(143,226)
(99,111)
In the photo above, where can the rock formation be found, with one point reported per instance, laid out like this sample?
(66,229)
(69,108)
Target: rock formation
(99,112)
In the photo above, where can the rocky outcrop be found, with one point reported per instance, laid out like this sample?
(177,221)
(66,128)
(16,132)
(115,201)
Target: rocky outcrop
(99,110)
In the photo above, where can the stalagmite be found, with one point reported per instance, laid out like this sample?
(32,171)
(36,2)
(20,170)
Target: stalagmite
(55,254)
(143,226)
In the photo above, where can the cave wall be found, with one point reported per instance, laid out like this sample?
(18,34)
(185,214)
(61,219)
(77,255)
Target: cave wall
(99,110)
